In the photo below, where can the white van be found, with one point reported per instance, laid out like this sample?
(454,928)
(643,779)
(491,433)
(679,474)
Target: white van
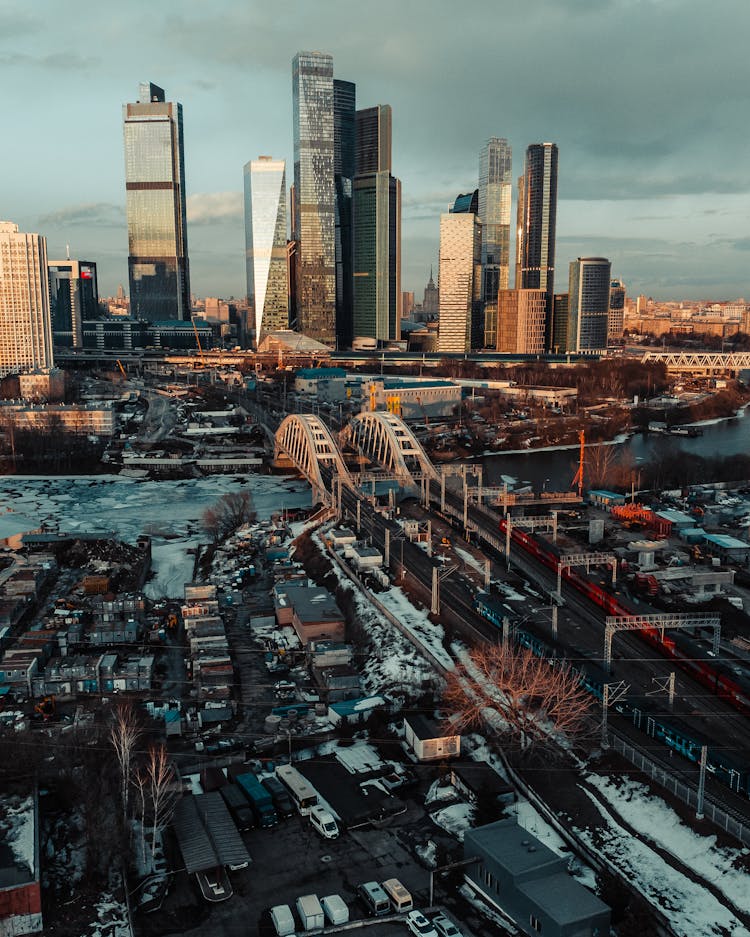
(335,909)
(323,821)
(310,912)
(283,920)
(400,897)
(374,898)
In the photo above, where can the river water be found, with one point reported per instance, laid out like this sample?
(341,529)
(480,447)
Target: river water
(554,469)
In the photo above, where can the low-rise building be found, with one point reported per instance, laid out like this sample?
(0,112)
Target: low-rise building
(514,871)
(20,885)
(91,420)
(428,741)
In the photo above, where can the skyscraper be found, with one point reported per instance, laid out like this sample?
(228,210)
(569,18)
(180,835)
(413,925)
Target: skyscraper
(73,296)
(315,211)
(558,330)
(495,185)
(460,322)
(25,324)
(431,299)
(158,266)
(616,309)
(588,303)
(377,229)
(521,321)
(344,167)
(266,244)
(537,218)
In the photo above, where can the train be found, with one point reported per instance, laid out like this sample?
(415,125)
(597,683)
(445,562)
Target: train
(722,679)
(666,729)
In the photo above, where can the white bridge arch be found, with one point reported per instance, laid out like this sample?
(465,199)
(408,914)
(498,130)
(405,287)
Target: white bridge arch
(308,442)
(386,440)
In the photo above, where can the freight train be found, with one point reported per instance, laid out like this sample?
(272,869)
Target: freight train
(666,729)
(730,683)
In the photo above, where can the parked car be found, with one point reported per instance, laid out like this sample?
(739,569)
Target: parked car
(374,898)
(419,925)
(335,909)
(445,927)
(283,920)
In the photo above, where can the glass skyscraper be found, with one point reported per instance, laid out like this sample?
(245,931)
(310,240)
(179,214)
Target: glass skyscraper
(537,218)
(344,167)
(377,229)
(495,190)
(616,309)
(73,296)
(158,266)
(315,211)
(265,241)
(588,303)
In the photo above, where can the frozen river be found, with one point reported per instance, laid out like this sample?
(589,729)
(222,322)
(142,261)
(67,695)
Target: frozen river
(170,511)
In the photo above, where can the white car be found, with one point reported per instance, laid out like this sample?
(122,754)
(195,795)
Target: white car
(419,925)
(445,927)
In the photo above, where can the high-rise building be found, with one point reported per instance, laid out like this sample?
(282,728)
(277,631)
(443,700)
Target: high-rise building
(158,266)
(616,309)
(407,303)
(73,296)
(266,244)
(25,323)
(588,303)
(344,167)
(521,321)
(431,299)
(377,229)
(460,323)
(315,194)
(559,327)
(538,218)
(493,206)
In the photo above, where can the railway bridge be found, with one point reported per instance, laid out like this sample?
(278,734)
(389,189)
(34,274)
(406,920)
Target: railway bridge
(382,438)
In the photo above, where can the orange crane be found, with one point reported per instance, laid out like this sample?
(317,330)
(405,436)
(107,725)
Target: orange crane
(578,480)
(198,341)
(122,370)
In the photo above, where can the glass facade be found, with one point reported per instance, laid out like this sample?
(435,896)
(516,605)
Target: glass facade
(315,213)
(461,325)
(265,241)
(377,229)
(73,296)
(559,327)
(521,319)
(344,159)
(588,299)
(495,191)
(616,309)
(158,266)
(538,218)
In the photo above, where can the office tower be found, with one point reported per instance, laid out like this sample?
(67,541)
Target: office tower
(460,322)
(467,203)
(266,244)
(25,324)
(73,296)
(616,309)
(377,229)
(431,300)
(537,216)
(158,267)
(588,303)
(521,321)
(493,206)
(407,303)
(344,161)
(315,210)
(559,327)
(520,215)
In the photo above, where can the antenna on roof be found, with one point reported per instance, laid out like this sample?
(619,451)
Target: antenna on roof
(67,251)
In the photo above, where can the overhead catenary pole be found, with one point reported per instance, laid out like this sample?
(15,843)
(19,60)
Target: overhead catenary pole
(701,783)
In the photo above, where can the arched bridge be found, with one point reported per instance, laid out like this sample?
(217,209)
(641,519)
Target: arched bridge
(382,437)
(308,442)
(386,440)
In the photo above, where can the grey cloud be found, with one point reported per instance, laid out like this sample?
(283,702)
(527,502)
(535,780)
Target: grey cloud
(205,208)
(104,214)
(14,23)
(56,61)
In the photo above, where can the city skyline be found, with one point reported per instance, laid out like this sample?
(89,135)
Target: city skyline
(646,189)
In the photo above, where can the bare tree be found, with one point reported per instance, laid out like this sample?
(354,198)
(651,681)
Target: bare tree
(230,512)
(124,734)
(162,790)
(517,695)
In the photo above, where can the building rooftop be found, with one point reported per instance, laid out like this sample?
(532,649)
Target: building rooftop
(513,848)
(676,517)
(424,728)
(563,899)
(726,542)
(18,839)
(311,374)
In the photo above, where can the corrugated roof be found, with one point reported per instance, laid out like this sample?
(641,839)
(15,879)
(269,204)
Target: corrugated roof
(197,850)
(206,833)
(221,828)
(727,542)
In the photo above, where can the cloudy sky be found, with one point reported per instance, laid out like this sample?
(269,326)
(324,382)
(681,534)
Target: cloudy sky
(647,100)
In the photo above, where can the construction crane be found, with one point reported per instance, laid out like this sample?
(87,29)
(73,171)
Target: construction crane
(122,370)
(198,341)
(578,479)
(46,707)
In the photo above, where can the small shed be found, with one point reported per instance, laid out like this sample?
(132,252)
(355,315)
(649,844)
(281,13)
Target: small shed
(601,498)
(354,710)
(366,557)
(428,741)
(728,549)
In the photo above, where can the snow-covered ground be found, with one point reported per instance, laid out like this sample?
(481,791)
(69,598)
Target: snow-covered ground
(418,623)
(692,909)
(111,919)
(454,819)
(170,511)
(17,829)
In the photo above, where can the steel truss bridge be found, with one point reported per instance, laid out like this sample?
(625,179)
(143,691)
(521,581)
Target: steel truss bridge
(382,438)
(709,362)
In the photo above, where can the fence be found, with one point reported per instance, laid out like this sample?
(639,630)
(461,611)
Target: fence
(683,791)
